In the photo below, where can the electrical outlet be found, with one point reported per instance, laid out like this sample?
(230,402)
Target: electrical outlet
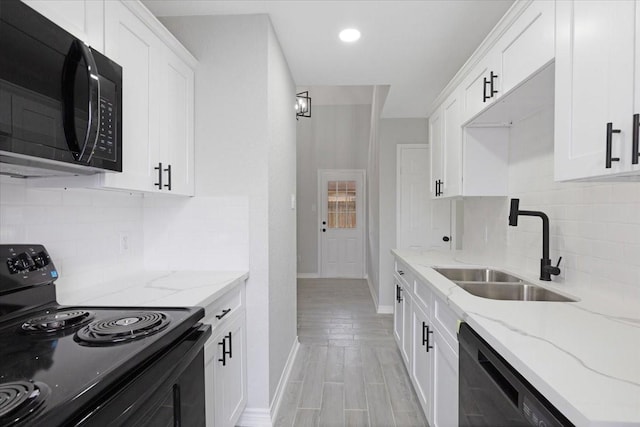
(124,243)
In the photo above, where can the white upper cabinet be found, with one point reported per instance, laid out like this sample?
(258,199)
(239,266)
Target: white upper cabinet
(437,154)
(527,46)
(596,58)
(138,50)
(158,99)
(446,145)
(82,18)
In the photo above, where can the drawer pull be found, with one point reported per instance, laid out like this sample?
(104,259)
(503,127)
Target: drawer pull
(400,272)
(224,313)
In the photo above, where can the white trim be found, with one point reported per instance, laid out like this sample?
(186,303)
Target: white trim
(385,309)
(363,175)
(284,379)
(308,276)
(158,28)
(255,417)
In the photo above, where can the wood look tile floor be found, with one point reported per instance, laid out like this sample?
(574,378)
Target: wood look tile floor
(348,371)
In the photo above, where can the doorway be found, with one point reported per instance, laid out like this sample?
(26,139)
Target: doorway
(341,223)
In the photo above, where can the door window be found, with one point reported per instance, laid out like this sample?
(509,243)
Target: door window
(341,200)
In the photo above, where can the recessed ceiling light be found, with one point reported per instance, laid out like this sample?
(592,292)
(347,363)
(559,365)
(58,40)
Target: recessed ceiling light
(349,35)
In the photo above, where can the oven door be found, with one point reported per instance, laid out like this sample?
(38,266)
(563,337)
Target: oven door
(167,391)
(60,100)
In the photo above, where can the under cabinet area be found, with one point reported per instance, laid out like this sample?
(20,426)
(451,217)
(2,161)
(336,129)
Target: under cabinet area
(425,331)
(225,359)
(597,93)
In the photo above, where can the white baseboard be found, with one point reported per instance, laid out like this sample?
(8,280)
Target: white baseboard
(284,379)
(385,309)
(308,276)
(255,417)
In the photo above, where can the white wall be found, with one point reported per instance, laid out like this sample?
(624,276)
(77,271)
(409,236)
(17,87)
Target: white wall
(282,214)
(595,227)
(80,228)
(334,137)
(245,147)
(391,133)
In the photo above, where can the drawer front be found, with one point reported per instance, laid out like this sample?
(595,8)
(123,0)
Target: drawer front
(446,321)
(407,279)
(224,307)
(423,297)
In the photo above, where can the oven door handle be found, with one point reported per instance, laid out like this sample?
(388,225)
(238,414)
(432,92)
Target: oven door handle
(81,152)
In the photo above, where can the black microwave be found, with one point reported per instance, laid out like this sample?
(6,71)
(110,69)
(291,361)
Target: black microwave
(60,100)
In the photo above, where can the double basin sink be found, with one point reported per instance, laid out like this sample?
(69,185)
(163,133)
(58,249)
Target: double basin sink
(496,284)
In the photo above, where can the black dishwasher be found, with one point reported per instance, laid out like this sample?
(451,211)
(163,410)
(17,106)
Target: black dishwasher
(493,394)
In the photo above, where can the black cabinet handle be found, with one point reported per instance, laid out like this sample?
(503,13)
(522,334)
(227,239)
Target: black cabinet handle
(635,148)
(424,333)
(224,313)
(610,132)
(493,78)
(168,170)
(439,191)
(223,343)
(400,272)
(429,346)
(398,293)
(230,352)
(436,187)
(485,83)
(159,169)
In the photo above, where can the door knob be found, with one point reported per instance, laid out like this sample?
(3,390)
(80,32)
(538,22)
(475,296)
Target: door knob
(324,230)
(445,238)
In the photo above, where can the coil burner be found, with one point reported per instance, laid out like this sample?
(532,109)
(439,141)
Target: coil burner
(57,321)
(124,328)
(21,399)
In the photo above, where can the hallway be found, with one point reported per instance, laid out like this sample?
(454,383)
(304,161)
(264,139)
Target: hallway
(348,371)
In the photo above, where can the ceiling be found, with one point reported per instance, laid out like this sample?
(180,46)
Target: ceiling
(415,47)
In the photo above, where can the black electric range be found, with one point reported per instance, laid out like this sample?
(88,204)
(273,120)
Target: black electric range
(69,365)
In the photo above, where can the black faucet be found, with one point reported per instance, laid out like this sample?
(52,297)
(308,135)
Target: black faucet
(546,269)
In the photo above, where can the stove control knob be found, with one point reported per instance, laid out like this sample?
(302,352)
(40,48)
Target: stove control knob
(41,259)
(22,262)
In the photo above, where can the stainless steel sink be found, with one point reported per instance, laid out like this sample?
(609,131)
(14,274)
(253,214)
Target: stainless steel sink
(477,275)
(512,291)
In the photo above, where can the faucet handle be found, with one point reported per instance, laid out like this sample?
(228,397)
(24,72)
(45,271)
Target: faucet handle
(555,270)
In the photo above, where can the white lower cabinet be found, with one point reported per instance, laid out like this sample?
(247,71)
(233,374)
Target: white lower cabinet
(445,382)
(226,361)
(421,371)
(432,360)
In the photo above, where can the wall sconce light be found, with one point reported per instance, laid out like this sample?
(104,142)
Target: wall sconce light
(303,104)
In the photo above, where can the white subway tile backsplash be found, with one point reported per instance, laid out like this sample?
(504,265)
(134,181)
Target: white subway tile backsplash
(595,226)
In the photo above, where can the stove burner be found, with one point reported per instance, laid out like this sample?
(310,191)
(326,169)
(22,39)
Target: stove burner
(20,399)
(58,321)
(129,327)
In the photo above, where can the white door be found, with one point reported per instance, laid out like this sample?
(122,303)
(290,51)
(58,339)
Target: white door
(341,223)
(423,223)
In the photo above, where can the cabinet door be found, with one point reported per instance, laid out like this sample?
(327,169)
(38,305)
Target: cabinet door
(452,150)
(398,316)
(210,361)
(528,45)
(407,330)
(133,45)
(445,383)
(422,364)
(229,379)
(176,120)
(82,18)
(476,87)
(437,156)
(594,85)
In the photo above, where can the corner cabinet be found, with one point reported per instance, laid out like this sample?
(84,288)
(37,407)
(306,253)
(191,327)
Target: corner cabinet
(430,337)
(597,91)
(226,359)
(158,98)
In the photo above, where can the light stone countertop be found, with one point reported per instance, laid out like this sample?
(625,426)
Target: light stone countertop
(584,356)
(153,288)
